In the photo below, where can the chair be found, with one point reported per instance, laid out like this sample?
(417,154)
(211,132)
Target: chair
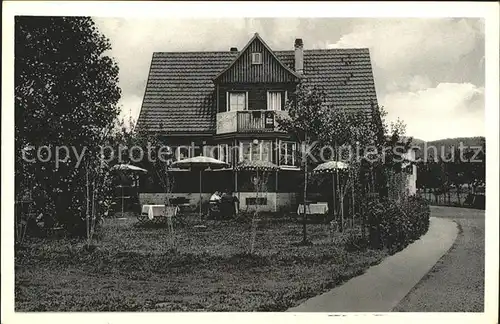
(214,209)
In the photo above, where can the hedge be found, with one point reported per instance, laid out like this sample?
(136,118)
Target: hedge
(394,225)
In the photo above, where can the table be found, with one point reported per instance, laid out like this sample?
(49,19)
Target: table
(156,211)
(319,208)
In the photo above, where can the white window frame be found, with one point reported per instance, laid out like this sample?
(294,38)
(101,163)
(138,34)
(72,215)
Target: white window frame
(221,148)
(254,58)
(228,99)
(282,147)
(260,150)
(282,104)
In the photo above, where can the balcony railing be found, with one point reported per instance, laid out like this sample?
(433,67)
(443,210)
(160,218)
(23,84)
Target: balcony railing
(248,121)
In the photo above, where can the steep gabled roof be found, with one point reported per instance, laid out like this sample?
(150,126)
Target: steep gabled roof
(257,37)
(180,96)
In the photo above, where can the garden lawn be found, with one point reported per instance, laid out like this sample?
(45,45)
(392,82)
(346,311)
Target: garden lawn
(134,268)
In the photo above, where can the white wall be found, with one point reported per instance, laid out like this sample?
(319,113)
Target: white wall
(411,185)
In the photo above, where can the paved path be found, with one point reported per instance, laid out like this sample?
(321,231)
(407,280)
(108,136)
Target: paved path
(383,286)
(456,283)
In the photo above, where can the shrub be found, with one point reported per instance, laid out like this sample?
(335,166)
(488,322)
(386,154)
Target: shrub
(394,225)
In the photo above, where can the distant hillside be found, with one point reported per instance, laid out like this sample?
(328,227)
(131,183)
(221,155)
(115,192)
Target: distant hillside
(447,144)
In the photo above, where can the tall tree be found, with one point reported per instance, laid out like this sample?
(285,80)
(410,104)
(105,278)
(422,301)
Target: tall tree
(306,121)
(66,95)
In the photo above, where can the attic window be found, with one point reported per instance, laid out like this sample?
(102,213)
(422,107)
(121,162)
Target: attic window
(256,58)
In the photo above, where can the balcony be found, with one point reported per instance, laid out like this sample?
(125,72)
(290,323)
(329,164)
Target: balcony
(248,121)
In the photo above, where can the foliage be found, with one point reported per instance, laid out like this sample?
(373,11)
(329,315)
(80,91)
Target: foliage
(66,94)
(262,171)
(146,150)
(370,146)
(306,121)
(458,171)
(395,224)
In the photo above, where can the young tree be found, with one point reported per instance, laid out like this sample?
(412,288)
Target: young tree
(262,171)
(367,143)
(66,94)
(305,121)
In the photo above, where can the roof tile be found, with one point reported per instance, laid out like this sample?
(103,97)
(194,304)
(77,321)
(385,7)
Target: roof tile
(180,94)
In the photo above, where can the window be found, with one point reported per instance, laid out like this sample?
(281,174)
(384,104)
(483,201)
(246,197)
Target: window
(266,151)
(237,101)
(223,153)
(274,101)
(182,152)
(256,201)
(196,150)
(245,151)
(256,58)
(288,152)
(262,151)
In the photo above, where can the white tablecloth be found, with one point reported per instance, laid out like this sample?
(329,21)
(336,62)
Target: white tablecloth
(317,208)
(159,211)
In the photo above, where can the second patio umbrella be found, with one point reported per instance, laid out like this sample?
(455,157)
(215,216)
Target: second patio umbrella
(333,167)
(200,163)
(126,168)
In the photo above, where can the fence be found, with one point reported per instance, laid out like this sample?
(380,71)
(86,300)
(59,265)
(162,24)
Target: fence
(452,198)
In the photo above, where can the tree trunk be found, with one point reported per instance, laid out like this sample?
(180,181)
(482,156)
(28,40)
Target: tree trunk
(363,210)
(353,206)
(341,195)
(304,216)
(88,205)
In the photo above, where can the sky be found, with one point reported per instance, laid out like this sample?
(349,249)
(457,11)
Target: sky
(430,72)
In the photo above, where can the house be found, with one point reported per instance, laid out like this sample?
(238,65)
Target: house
(224,104)
(404,183)
(411,173)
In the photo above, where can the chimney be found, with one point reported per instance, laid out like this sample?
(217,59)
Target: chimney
(299,56)
(233,49)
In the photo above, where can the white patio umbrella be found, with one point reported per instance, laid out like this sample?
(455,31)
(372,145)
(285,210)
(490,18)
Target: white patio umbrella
(333,167)
(127,168)
(200,163)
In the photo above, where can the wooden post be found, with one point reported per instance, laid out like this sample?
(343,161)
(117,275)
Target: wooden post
(334,196)
(200,194)
(341,196)
(304,227)
(122,200)
(88,203)
(353,207)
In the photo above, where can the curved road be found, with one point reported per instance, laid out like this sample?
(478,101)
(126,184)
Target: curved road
(456,282)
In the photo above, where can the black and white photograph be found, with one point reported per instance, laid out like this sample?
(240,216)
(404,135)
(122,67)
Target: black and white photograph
(163,159)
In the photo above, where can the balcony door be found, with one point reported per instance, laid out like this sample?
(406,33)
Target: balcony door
(237,101)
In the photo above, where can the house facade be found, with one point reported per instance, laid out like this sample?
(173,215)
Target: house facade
(225,105)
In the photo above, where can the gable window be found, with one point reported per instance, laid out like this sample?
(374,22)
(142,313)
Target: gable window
(274,101)
(237,101)
(256,58)
(288,152)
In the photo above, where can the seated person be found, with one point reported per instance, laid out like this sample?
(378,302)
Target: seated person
(229,204)
(216,197)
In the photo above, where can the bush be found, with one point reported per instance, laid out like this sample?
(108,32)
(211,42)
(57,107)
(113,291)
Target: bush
(394,225)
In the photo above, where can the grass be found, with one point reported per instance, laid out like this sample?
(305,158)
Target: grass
(136,269)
